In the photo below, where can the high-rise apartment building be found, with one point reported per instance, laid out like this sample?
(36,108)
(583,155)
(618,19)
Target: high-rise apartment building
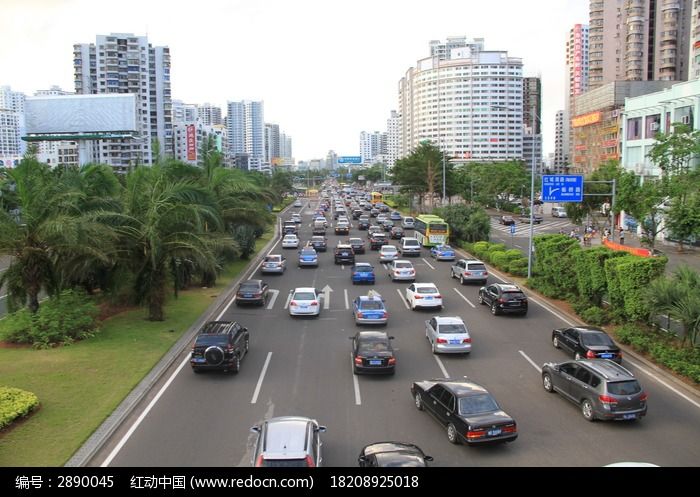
(373,147)
(246,132)
(124,63)
(469,105)
(184,113)
(443,50)
(532,104)
(577,66)
(694,45)
(12,148)
(393,128)
(561,158)
(209,114)
(639,40)
(286,148)
(272,142)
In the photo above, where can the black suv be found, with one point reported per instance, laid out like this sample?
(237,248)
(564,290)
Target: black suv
(601,388)
(319,243)
(344,254)
(503,298)
(220,345)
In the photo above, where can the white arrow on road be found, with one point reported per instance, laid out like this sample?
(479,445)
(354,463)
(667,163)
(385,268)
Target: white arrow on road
(327,297)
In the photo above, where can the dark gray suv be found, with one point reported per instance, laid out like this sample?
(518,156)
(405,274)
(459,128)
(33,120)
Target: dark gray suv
(288,441)
(602,388)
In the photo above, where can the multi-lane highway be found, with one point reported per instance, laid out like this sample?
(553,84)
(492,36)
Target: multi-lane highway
(302,366)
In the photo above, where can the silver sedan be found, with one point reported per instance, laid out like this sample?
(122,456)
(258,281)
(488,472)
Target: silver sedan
(448,335)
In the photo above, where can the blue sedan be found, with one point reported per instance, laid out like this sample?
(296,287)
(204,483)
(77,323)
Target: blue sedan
(443,253)
(363,272)
(395,216)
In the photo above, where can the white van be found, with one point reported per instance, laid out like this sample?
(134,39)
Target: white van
(559,212)
(409,246)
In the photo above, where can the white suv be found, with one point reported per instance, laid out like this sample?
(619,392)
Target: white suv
(409,246)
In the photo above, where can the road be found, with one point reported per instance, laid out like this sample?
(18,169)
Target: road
(519,240)
(303,367)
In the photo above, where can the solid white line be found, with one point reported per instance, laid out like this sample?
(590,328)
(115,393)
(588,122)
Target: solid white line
(143,415)
(356,384)
(218,318)
(260,380)
(539,369)
(465,298)
(442,366)
(679,393)
(429,265)
(402,299)
(289,299)
(518,246)
(275,293)
(347,305)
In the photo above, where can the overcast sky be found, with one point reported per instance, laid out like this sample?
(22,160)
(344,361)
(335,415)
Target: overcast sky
(326,69)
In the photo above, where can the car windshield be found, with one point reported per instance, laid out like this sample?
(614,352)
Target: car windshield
(293,237)
(356,241)
(363,269)
(426,289)
(370,346)
(514,295)
(249,287)
(371,305)
(211,339)
(403,265)
(596,339)
(304,296)
(476,267)
(411,243)
(452,328)
(273,258)
(630,387)
(308,252)
(388,248)
(477,404)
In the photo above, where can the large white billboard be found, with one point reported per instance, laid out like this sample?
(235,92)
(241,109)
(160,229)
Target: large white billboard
(80,114)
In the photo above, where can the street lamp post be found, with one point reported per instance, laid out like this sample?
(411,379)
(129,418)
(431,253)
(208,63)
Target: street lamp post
(532,198)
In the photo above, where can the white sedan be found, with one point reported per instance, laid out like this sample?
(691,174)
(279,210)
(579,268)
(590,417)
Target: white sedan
(305,302)
(402,270)
(423,295)
(290,241)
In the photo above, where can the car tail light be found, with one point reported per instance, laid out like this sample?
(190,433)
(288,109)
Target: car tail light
(486,273)
(438,296)
(310,462)
(392,361)
(358,360)
(441,340)
(315,302)
(509,429)
(643,397)
(474,434)
(259,462)
(417,297)
(229,348)
(606,399)
(590,355)
(385,314)
(502,301)
(360,315)
(467,340)
(293,303)
(467,273)
(257,295)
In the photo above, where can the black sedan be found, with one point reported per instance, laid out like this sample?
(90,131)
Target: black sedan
(396,233)
(378,240)
(320,243)
(468,411)
(252,292)
(393,455)
(586,342)
(363,224)
(357,244)
(372,352)
(503,298)
(506,220)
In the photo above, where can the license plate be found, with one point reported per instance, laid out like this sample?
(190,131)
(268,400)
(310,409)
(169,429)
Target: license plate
(199,359)
(428,298)
(607,356)
(455,342)
(494,433)
(629,416)
(248,295)
(375,363)
(304,307)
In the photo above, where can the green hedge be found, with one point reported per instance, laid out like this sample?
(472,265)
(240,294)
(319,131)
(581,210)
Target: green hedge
(553,270)
(662,348)
(627,279)
(59,321)
(510,261)
(15,403)
(590,273)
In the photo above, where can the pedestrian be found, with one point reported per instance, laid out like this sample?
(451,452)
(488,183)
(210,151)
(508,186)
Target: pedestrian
(622,236)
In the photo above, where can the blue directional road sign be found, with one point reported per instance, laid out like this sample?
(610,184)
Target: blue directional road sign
(512,229)
(350,159)
(562,188)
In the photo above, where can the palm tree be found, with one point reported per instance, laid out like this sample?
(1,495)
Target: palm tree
(687,311)
(44,227)
(164,219)
(661,294)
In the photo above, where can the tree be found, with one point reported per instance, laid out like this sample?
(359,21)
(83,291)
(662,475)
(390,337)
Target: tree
(489,183)
(469,223)
(683,218)
(593,194)
(45,229)
(420,173)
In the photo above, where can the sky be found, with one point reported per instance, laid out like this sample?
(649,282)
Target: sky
(325,69)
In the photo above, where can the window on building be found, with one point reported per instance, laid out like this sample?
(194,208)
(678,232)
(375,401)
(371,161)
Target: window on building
(652,125)
(634,128)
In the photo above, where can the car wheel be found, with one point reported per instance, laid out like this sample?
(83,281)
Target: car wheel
(494,309)
(547,383)
(247,345)
(555,342)
(587,410)
(433,347)
(481,300)
(419,402)
(577,356)
(461,279)
(452,434)
(236,364)
(452,274)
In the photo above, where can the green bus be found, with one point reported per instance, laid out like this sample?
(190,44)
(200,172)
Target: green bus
(431,230)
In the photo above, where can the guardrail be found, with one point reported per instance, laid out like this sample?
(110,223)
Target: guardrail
(642,252)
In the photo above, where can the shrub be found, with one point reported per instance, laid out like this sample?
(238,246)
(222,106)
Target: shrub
(60,320)
(518,267)
(590,273)
(467,222)
(15,403)
(627,279)
(499,259)
(480,249)
(555,257)
(244,235)
(595,316)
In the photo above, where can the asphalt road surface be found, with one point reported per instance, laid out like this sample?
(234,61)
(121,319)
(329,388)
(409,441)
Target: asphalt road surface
(302,366)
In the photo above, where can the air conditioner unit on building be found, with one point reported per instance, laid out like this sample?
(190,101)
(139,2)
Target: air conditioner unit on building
(639,168)
(685,119)
(654,126)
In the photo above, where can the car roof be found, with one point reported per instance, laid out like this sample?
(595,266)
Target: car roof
(304,289)
(373,335)
(507,287)
(318,237)
(363,264)
(462,387)
(424,285)
(252,282)
(388,247)
(286,436)
(608,369)
(448,320)
(471,260)
(217,327)
(343,245)
(379,447)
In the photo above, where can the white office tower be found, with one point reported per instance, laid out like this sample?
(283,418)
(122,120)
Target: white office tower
(209,114)
(246,134)
(393,127)
(124,63)
(373,146)
(272,142)
(184,113)
(12,148)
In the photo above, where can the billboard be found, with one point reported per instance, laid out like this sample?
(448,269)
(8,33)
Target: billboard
(350,159)
(74,114)
(586,119)
(191,142)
